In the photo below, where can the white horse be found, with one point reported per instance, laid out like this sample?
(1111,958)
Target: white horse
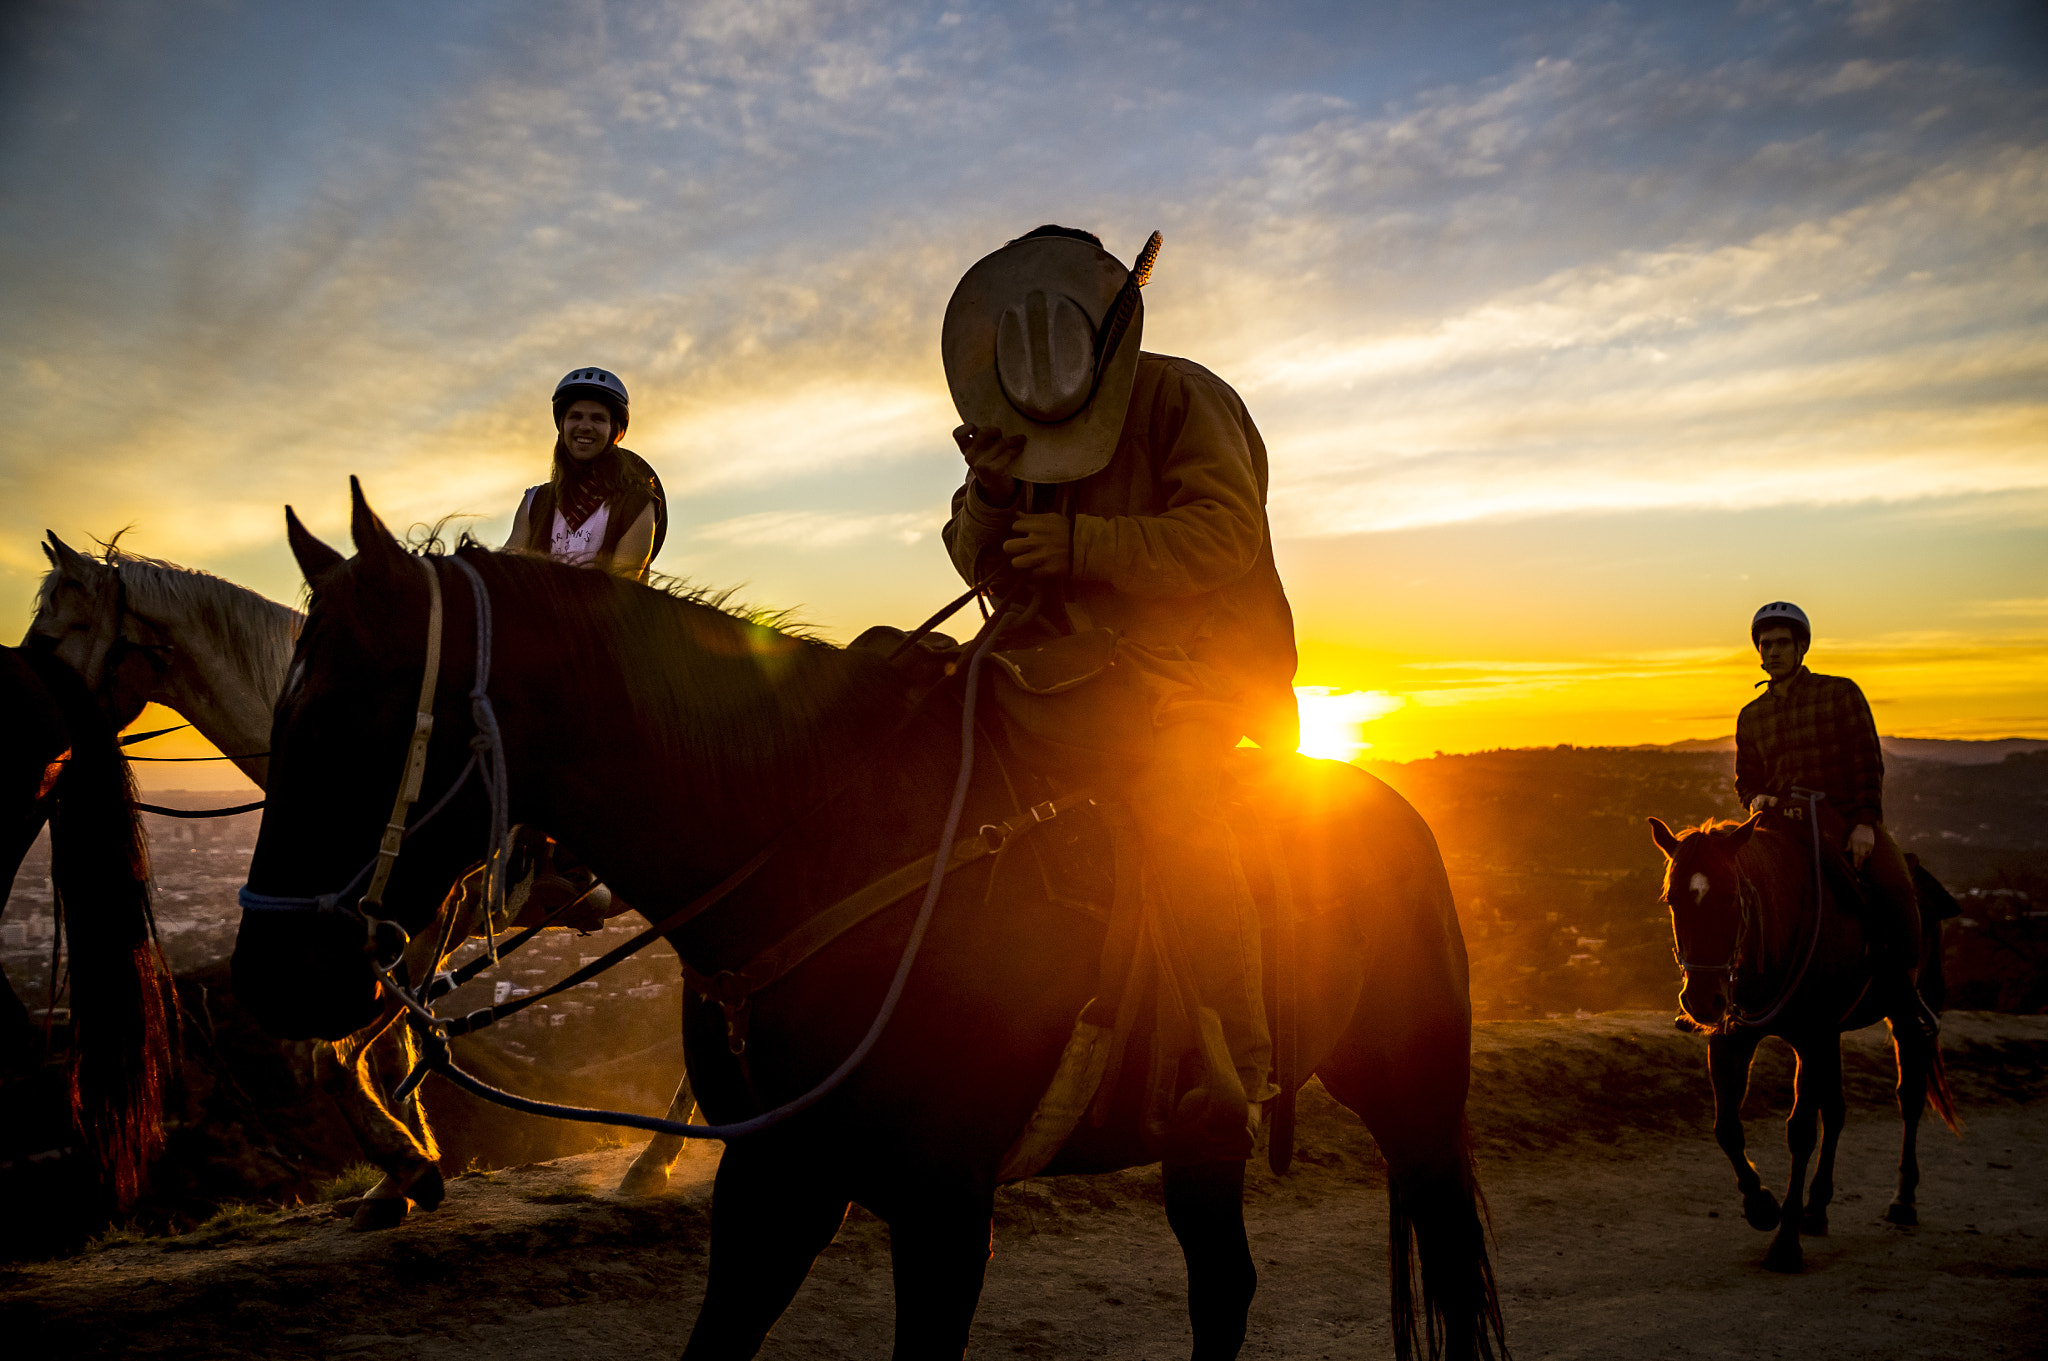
(139,630)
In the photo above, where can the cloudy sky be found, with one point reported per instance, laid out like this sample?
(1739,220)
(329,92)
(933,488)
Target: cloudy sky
(1575,330)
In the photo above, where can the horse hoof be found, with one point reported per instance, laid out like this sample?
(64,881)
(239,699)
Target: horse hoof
(1786,1258)
(1901,1212)
(372,1215)
(644,1181)
(1814,1224)
(1760,1208)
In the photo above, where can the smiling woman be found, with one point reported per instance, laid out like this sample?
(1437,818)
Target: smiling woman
(602,506)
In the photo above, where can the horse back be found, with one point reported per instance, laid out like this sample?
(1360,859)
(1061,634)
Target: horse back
(1379,963)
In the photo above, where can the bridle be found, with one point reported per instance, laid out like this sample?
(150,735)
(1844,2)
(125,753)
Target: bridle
(487,760)
(120,645)
(1749,902)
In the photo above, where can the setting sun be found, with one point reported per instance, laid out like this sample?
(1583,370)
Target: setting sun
(1332,719)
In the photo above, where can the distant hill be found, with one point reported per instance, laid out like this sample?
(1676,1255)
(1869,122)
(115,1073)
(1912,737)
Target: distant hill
(1557,880)
(1948,750)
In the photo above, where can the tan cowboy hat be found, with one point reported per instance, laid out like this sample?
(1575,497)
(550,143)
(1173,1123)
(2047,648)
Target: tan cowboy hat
(1041,340)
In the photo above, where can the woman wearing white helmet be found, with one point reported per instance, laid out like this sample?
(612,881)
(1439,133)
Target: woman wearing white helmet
(602,506)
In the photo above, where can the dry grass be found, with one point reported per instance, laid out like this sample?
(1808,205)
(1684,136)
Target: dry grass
(234,1223)
(352,1181)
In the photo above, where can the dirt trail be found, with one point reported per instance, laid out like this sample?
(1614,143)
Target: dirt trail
(1619,1235)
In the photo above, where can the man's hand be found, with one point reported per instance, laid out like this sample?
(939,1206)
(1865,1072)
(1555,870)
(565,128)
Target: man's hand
(1043,546)
(1761,802)
(988,457)
(1862,841)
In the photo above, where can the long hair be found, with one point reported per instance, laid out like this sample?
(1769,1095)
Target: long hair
(609,470)
(120,1046)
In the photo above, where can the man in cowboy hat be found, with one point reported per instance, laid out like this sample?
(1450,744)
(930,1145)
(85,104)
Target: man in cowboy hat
(1815,732)
(1133,487)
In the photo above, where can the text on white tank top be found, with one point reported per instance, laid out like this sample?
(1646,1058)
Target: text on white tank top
(581,544)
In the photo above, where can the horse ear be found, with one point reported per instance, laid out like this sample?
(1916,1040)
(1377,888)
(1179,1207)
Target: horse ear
(373,541)
(316,559)
(1741,834)
(65,558)
(1666,842)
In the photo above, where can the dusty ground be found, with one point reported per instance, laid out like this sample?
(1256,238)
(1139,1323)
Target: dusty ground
(1619,1235)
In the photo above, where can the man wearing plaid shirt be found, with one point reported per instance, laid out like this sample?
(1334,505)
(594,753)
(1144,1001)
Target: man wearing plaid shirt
(1816,732)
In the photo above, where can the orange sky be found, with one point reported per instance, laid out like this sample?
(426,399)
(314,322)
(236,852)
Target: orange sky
(1575,332)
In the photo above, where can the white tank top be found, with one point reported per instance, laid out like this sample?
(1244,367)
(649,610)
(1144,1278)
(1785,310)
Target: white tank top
(579,546)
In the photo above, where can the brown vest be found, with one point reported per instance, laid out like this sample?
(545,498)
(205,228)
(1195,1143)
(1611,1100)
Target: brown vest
(643,485)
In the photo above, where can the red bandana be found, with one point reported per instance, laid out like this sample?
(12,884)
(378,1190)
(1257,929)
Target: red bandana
(580,498)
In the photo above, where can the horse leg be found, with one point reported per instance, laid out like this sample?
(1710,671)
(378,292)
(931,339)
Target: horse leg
(1819,1070)
(939,1247)
(1912,1051)
(771,1215)
(1205,1207)
(387,1059)
(1728,1059)
(409,1173)
(1410,1091)
(1833,1111)
(648,1176)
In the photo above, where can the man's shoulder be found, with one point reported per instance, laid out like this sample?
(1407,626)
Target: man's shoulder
(1833,685)
(1171,370)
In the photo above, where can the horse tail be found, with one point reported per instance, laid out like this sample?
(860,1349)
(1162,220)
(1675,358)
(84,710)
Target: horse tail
(1442,1220)
(99,865)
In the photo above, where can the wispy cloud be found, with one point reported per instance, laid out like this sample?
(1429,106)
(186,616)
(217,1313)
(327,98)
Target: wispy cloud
(1577,261)
(811,531)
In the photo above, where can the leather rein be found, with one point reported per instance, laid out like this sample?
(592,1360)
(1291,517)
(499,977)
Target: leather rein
(731,989)
(1750,906)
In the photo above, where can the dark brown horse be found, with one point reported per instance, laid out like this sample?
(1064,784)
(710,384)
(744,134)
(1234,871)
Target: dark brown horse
(61,764)
(1767,950)
(663,741)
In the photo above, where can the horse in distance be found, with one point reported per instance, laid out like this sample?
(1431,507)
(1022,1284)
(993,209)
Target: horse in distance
(1766,949)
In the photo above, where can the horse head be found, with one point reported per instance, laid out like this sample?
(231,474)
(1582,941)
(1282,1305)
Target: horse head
(1703,887)
(339,749)
(83,620)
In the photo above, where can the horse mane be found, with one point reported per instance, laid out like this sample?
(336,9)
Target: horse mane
(699,662)
(99,866)
(241,624)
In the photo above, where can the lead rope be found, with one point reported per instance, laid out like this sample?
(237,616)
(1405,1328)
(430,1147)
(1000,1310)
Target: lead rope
(1812,799)
(489,747)
(445,1064)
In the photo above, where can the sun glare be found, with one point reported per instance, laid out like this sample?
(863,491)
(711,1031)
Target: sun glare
(1332,720)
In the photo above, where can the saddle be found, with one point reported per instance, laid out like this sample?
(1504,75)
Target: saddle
(1071,718)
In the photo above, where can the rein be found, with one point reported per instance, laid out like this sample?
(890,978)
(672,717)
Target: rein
(805,941)
(488,760)
(1751,907)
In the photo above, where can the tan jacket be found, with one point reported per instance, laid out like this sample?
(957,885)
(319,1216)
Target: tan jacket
(1170,542)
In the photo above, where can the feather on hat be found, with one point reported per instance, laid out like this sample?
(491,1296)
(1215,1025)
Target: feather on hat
(1041,339)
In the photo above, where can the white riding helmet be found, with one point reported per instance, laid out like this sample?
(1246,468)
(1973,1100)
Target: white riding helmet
(596,385)
(1781,613)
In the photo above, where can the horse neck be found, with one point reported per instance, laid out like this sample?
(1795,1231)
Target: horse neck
(229,648)
(699,755)
(1780,875)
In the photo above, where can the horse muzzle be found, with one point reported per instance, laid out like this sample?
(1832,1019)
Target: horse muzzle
(304,975)
(1704,1000)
